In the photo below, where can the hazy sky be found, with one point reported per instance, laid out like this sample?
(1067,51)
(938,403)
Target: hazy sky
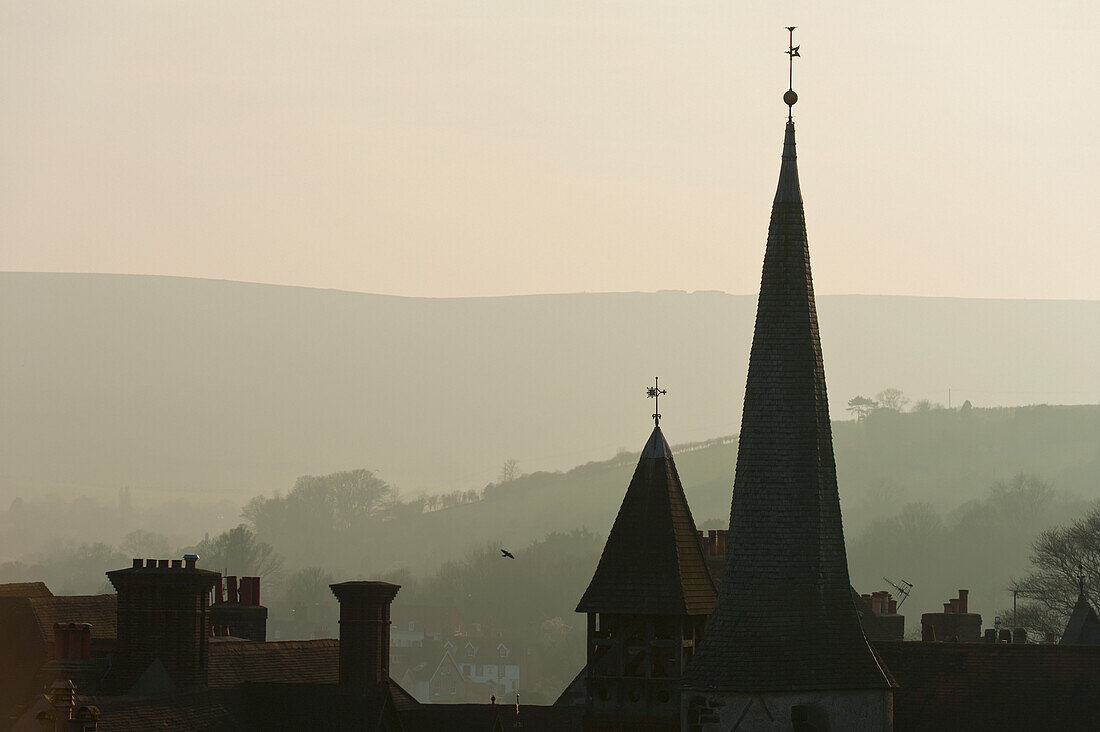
(499,147)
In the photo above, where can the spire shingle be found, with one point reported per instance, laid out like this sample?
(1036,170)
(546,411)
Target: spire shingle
(653,561)
(785,620)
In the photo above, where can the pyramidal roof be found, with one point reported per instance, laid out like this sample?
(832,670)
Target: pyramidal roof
(785,618)
(653,561)
(1083,628)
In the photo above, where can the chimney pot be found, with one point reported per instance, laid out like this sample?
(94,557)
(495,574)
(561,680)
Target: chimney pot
(893,606)
(190,560)
(150,564)
(138,563)
(162,563)
(60,641)
(177,564)
(964,603)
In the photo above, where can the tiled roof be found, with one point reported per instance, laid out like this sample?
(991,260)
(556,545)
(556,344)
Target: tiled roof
(994,686)
(25,589)
(653,562)
(248,707)
(280,662)
(402,700)
(1083,627)
(489,718)
(317,707)
(99,611)
(289,663)
(785,618)
(209,709)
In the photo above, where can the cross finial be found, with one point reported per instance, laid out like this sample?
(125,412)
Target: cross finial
(1080,578)
(654,392)
(789,98)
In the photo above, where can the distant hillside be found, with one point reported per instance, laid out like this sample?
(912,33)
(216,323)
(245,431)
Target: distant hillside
(207,386)
(946,459)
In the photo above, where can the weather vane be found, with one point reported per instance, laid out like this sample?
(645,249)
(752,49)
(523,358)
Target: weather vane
(654,392)
(789,98)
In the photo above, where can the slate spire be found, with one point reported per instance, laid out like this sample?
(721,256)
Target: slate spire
(785,619)
(652,563)
(1083,627)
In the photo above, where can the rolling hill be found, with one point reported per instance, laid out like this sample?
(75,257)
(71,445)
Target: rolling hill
(212,387)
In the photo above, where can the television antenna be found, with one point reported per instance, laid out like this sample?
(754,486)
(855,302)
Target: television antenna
(903,589)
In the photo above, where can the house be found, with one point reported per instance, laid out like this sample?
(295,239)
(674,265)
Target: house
(491,666)
(32,650)
(435,679)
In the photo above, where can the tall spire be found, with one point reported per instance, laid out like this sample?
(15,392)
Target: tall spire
(785,619)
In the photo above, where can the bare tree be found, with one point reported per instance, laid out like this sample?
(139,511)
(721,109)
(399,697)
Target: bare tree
(892,399)
(239,552)
(140,543)
(308,587)
(509,471)
(1063,560)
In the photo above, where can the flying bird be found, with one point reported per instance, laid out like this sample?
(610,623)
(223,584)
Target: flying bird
(505,553)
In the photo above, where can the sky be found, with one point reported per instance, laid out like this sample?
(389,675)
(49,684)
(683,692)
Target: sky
(456,149)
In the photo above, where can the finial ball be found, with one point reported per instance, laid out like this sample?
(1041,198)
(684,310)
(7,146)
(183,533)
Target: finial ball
(789,97)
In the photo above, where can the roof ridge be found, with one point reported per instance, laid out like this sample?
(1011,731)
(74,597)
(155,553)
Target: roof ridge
(696,541)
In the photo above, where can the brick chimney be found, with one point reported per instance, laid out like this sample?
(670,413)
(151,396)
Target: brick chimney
(162,614)
(955,623)
(364,632)
(72,641)
(241,612)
